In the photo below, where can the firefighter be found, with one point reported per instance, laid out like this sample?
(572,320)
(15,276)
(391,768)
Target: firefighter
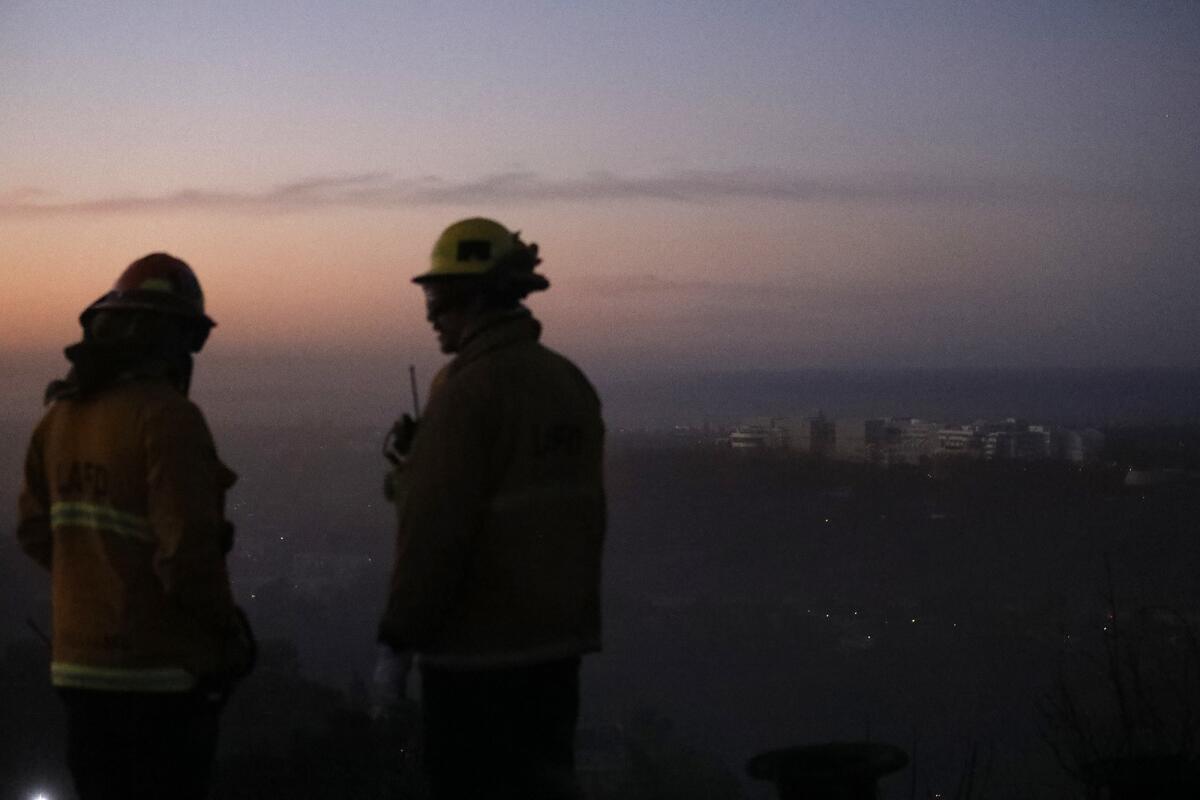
(123,502)
(501,517)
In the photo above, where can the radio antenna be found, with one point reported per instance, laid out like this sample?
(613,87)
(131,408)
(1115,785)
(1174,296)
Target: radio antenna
(412,382)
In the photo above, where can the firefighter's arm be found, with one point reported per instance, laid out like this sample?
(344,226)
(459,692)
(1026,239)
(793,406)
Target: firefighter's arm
(184,502)
(443,508)
(33,524)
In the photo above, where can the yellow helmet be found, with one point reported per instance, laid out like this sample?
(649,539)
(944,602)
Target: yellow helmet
(483,248)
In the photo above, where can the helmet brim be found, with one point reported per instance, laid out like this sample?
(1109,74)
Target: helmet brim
(145,300)
(529,282)
(483,278)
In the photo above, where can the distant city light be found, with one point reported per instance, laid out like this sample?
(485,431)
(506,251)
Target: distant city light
(40,796)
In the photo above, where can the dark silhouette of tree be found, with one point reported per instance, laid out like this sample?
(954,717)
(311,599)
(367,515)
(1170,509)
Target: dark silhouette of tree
(1126,719)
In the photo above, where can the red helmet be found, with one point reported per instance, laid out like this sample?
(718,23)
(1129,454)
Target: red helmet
(157,282)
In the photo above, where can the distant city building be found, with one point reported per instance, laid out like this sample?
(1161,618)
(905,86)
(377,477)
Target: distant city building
(1081,447)
(813,435)
(759,433)
(888,441)
(965,441)
(803,434)
(748,437)
(858,439)
(915,442)
(1016,440)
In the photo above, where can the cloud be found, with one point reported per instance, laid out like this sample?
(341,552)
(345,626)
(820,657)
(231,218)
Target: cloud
(24,195)
(385,190)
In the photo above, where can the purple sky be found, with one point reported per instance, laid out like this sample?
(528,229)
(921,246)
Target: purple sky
(764,185)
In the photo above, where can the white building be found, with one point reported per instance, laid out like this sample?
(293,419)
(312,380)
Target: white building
(759,433)
(917,440)
(961,440)
(1015,440)
(1080,447)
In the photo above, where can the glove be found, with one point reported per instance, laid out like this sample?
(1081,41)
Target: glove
(389,681)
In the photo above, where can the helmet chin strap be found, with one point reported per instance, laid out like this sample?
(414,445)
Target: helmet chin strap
(180,373)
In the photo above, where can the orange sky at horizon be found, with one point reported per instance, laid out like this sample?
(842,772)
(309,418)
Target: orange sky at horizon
(754,283)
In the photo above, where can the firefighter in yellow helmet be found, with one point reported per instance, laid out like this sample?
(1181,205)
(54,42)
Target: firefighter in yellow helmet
(501,517)
(123,502)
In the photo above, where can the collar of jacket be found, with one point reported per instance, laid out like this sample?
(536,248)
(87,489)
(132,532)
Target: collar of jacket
(96,366)
(495,330)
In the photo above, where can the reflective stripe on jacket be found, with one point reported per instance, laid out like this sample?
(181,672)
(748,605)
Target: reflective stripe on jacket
(121,679)
(123,501)
(501,509)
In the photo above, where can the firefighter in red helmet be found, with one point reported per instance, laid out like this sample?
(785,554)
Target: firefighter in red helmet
(123,502)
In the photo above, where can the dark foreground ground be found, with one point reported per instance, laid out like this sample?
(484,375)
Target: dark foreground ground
(751,603)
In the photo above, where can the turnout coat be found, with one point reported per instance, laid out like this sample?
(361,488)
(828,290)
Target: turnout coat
(123,501)
(501,508)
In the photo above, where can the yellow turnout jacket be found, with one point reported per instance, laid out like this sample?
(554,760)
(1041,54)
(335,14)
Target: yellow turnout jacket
(123,501)
(501,509)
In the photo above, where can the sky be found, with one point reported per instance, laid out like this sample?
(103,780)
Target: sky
(760,185)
